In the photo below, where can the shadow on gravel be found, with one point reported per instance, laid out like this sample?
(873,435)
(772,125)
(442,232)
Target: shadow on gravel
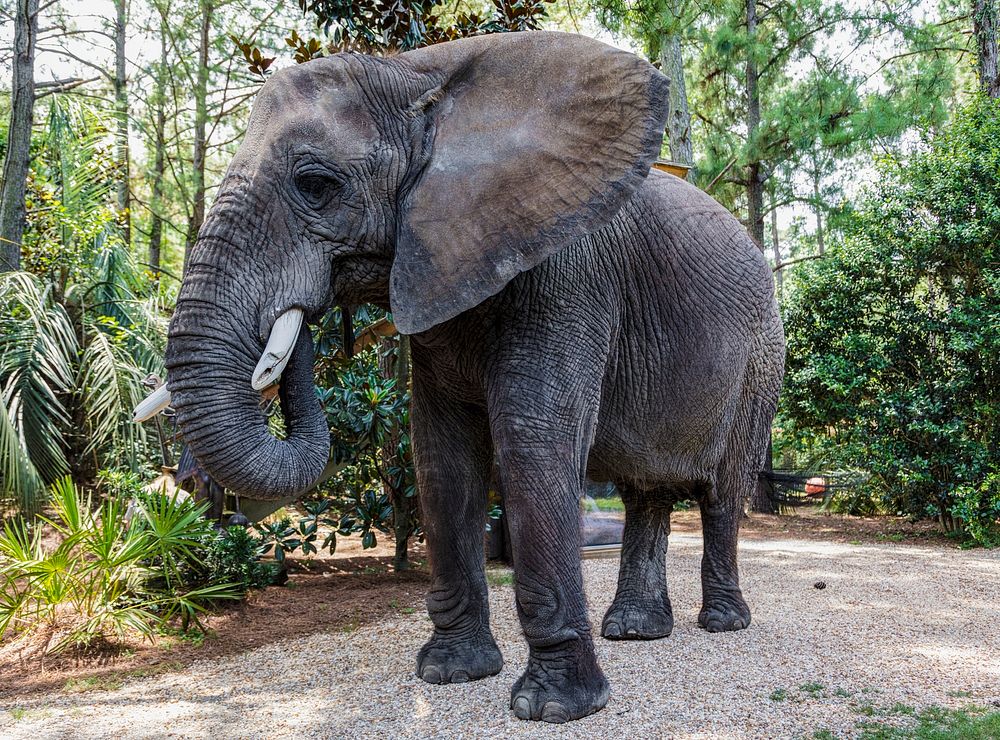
(320,595)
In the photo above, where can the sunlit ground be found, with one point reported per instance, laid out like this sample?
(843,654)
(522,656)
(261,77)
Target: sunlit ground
(896,627)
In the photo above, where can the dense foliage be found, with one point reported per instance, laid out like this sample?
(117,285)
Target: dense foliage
(103,570)
(894,338)
(81,330)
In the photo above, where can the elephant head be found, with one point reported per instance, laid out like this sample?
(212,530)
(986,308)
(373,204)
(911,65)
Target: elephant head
(422,183)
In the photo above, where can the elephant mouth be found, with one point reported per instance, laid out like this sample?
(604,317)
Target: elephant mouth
(274,359)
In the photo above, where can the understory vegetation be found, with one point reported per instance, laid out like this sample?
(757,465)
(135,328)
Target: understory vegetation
(133,563)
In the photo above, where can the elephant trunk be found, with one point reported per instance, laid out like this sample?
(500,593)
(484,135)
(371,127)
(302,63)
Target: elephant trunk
(211,356)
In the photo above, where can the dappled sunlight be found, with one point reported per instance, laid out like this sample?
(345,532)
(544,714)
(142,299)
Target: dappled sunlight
(894,624)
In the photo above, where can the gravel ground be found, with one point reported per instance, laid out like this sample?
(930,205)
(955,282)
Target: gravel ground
(895,624)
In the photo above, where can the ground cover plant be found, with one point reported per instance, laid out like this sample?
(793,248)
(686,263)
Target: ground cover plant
(98,571)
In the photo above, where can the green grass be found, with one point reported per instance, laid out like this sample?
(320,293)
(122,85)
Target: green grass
(20,713)
(117,680)
(812,688)
(92,683)
(609,504)
(778,695)
(824,734)
(500,577)
(938,723)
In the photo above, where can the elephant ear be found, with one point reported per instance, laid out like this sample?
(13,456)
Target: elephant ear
(532,141)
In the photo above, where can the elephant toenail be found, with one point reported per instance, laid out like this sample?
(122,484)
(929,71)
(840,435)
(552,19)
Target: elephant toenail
(612,630)
(459,677)
(633,631)
(431,674)
(555,712)
(522,707)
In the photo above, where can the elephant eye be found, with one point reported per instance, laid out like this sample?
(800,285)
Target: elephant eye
(317,189)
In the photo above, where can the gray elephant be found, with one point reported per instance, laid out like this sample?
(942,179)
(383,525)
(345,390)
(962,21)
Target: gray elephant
(572,315)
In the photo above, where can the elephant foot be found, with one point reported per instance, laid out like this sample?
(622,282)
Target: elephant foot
(454,659)
(559,689)
(630,620)
(725,616)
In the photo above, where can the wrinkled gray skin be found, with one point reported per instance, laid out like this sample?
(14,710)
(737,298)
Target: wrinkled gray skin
(572,315)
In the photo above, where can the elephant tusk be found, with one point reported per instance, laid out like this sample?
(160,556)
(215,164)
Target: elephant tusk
(153,404)
(279,347)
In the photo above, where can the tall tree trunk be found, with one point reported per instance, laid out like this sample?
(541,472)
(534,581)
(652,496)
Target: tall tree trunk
(394,362)
(200,122)
(818,206)
(121,115)
(755,179)
(679,116)
(985,28)
(22,106)
(159,147)
(779,276)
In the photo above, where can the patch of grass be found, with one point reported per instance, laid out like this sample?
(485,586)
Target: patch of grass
(194,637)
(894,537)
(20,713)
(609,504)
(960,694)
(824,734)
(812,688)
(92,683)
(867,710)
(904,709)
(842,693)
(408,610)
(938,723)
(855,542)
(778,695)
(500,577)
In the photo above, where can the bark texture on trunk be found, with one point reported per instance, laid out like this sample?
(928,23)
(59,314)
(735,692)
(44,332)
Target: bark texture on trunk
(755,175)
(779,277)
(679,116)
(159,159)
(121,116)
(200,124)
(394,362)
(985,28)
(18,158)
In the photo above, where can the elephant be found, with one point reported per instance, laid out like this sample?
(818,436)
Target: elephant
(573,315)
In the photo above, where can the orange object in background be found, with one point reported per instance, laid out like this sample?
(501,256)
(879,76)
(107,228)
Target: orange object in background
(815,486)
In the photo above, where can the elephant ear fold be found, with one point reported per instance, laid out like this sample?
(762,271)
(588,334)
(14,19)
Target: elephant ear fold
(532,141)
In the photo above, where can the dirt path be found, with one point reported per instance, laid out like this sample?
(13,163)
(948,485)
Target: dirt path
(897,626)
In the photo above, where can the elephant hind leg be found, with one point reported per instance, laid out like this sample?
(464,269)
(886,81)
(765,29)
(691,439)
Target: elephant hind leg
(722,508)
(641,608)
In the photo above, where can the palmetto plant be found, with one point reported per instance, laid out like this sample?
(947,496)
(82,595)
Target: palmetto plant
(108,577)
(79,333)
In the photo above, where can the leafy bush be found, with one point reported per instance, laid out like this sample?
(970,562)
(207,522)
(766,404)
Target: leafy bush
(108,575)
(234,556)
(894,337)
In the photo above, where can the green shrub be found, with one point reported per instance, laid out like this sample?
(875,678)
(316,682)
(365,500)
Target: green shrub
(894,336)
(233,556)
(109,575)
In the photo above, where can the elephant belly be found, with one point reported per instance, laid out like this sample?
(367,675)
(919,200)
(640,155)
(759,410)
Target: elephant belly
(673,424)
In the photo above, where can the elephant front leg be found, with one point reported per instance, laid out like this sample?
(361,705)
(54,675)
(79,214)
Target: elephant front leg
(641,609)
(541,483)
(452,457)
